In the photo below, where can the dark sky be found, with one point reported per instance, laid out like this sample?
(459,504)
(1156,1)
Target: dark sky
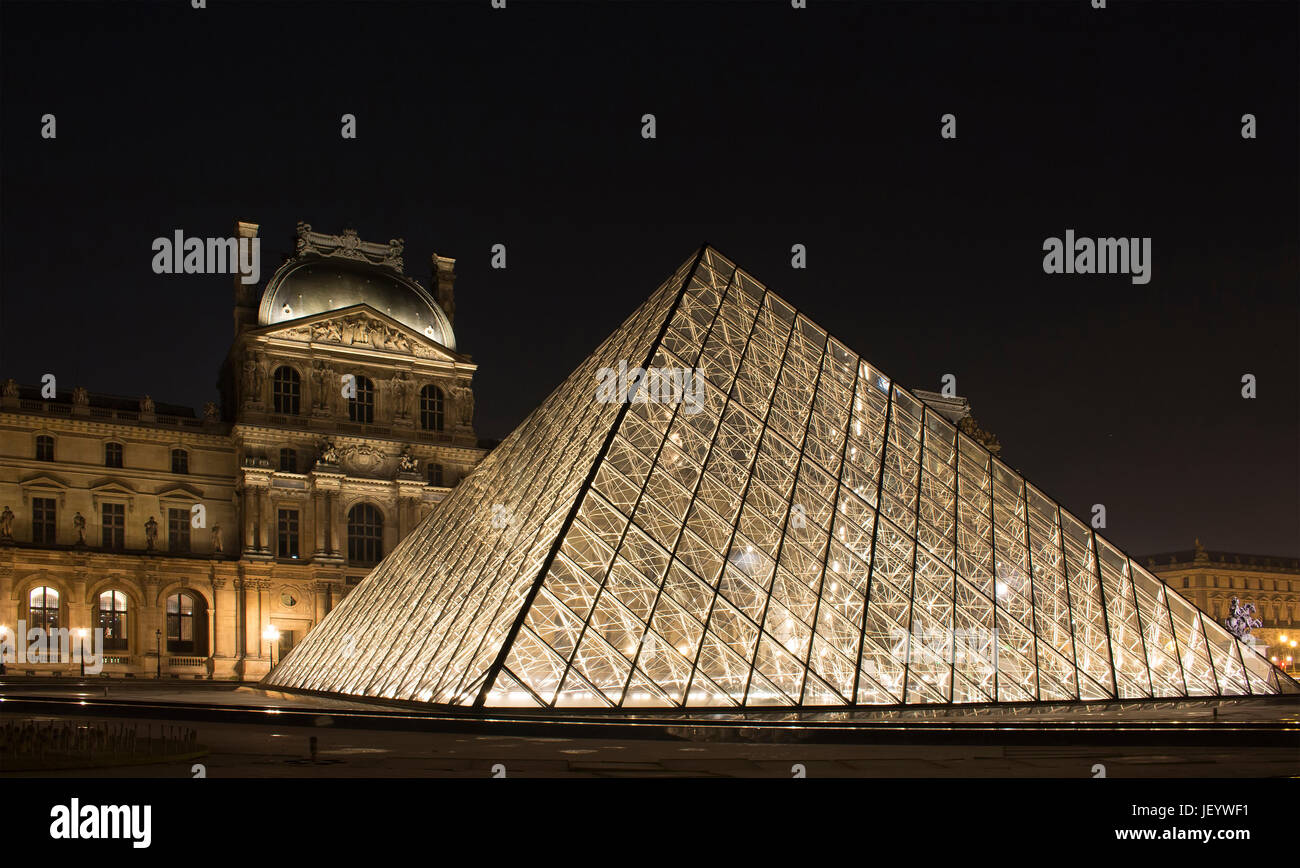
(775,127)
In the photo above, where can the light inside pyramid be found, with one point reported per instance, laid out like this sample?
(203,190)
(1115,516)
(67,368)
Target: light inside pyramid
(799,530)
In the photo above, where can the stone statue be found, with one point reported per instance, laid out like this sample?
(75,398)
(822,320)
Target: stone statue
(211,413)
(80,396)
(250,381)
(319,376)
(216,539)
(972,429)
(150,533)
(405,461)
(328,454)
(146,404)
(10,388)
(401,395)
(464,405)
(7,521)
(79,524)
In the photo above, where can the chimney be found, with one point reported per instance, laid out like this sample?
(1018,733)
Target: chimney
(444,276)
(247,296)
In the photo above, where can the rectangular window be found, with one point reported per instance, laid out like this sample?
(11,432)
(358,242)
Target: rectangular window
(113,526)
(44,448)
(435,474)
(288,524)
(288,461)
(180,461)
(178,530)
(112,454)
(43,521)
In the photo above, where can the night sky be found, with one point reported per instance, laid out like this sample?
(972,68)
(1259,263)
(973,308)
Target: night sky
(775,127)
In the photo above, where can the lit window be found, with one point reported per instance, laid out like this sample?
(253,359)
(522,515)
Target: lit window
(362,407)
(112,620)
(43,521)
(431,408)
(365,534)
(178,530)
(286,390)
(43,608)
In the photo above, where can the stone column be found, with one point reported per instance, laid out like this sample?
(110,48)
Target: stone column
(338,527)
(266,518)
(249,519)
(320,595)
(224,646)
(319,520)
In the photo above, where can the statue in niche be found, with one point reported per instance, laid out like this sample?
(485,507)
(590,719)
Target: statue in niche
(216,539)
(79,525)
(406,462)
(150,533)
(250,381)
(7,523)
(464,398)
(401,395)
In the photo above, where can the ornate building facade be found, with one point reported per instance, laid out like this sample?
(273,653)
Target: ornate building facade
(204,545)
(1211,579)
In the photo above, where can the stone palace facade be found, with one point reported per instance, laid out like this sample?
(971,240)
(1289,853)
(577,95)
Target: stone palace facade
(205,544)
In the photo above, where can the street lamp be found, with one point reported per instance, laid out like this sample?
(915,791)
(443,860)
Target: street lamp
(272,635)
(81,649)
(157,634)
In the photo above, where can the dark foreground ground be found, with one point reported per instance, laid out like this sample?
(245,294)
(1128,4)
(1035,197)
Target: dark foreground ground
(248,732)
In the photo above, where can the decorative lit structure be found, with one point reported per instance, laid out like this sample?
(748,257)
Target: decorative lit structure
(792,529)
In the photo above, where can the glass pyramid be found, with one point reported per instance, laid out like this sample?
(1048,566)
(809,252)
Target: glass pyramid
(793,529)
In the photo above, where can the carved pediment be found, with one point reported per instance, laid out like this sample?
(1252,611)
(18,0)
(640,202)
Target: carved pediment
(180,492)
(362,326)
(44,480)
(111,487)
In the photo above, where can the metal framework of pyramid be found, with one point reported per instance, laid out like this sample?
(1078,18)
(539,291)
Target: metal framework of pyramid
(800,531)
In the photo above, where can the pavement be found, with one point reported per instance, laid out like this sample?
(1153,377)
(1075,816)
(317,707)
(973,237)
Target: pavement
(253,733)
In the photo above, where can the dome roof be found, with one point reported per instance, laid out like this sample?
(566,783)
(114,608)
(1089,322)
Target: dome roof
(313,285)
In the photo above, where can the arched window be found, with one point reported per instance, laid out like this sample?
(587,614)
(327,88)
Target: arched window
(44,448)
(431,408)
(286,390)
(180,461)
(112,454)
(43,608)
(362,407)
(365,534)
(112,620)
(187,624)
